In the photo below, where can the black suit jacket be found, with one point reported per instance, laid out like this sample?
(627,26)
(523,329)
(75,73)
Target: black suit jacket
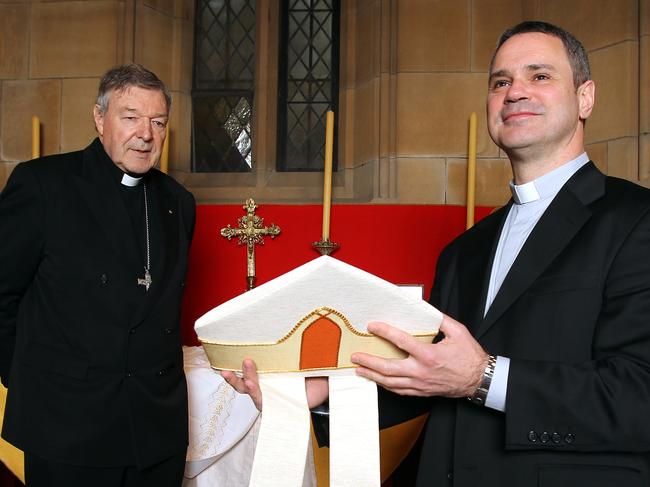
(573,315)
(93,364)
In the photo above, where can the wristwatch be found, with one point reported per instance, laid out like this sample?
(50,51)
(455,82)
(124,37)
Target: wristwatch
(481,392)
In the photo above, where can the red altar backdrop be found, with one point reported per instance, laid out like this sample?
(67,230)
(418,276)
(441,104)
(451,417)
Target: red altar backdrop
(399,243)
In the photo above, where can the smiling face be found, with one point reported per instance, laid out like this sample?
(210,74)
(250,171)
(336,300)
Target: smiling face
(132,130)
(534,111)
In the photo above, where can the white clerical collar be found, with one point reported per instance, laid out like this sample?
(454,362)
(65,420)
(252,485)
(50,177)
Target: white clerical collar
(524,193)
(548,185)
(130,180)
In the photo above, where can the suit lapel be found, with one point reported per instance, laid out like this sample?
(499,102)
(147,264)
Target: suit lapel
(164,209)
(475,266)
(101,196)
(559,224)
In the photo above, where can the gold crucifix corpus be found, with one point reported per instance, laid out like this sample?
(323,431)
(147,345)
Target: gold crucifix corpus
(250,232)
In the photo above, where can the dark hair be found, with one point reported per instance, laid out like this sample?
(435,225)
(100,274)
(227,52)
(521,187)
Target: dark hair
(125,76)
(574,49)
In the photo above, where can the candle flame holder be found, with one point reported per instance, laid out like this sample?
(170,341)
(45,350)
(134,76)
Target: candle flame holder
(325,247)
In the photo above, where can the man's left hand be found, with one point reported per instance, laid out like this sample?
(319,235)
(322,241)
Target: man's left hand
(452,367)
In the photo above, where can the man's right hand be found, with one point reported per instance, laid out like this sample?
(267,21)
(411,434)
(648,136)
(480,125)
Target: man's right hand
(317,388)
(247,384)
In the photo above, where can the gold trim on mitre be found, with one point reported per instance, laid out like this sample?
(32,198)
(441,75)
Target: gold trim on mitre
(284,354)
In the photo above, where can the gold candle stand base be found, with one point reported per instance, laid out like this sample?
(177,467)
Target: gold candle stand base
(325,247)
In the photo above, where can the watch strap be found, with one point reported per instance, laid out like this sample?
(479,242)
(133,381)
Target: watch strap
(481,392)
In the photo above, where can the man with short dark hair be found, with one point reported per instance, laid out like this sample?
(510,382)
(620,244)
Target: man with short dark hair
(94,255)
(547,382)
(554,293)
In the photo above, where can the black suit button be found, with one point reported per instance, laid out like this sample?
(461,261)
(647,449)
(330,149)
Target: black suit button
(132,331)
(128,374)
(168,331)
(450,475)
(183,284)
(556,438)
(544,437)
(103,278)
(161,372)
(532,436)
(569,438)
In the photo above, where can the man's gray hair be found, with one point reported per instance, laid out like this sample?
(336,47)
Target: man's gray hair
(574,49)
(123,77)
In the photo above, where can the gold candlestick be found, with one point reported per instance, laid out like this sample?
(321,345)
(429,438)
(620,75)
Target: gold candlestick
(325,247)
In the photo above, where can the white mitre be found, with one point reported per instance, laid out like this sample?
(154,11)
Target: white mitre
(308,322)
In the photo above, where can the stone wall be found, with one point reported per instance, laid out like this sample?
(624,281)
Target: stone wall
(52,54)
(412,71)
(421,68)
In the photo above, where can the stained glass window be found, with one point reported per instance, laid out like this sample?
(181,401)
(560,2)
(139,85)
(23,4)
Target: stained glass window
(222,94)
(308,81)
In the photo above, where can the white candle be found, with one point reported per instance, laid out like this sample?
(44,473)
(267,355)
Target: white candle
(36,137)
(471,171)
(327,173)
(164,157)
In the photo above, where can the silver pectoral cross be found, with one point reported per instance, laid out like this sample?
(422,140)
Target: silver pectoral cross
(146,282)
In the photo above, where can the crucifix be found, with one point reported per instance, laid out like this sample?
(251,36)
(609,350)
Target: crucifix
(250,231)
(146,282)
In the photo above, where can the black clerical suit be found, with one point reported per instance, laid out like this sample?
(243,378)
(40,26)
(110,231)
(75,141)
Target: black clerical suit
(92,361)
(573,315)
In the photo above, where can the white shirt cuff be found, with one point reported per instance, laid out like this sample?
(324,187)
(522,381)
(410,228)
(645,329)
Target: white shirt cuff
(496,396)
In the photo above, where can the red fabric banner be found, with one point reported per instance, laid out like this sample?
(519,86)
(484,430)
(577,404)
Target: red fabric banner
(399,243)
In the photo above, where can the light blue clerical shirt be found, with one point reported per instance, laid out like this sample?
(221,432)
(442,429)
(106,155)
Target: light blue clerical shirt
(530,202)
